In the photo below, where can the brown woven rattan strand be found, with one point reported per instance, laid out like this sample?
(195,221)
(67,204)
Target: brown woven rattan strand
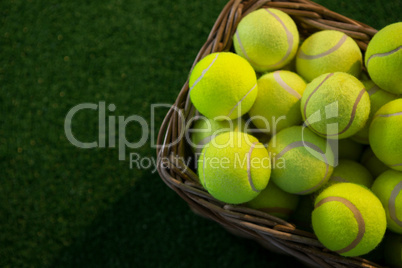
(173,153)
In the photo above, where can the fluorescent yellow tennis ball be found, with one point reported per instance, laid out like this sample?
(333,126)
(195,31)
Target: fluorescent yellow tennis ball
(275,201)
(223,85)
(378,98)
(372,163)
(388,188)
(349,219)
(267,38)
(234,167)
(205,129)
(350,171)
(383,58)
(327,52)
(335,105)
(302,161)
(385,134)
(393,250)
(278,101)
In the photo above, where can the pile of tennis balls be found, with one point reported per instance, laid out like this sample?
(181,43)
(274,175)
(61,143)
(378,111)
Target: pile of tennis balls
(297,129)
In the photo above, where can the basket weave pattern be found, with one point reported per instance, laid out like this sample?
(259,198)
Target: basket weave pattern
(173,152)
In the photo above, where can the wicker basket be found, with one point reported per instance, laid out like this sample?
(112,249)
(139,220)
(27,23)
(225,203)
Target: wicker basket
(173,152)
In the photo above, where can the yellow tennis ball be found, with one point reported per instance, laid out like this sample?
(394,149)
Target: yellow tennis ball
(383,58)
(393,250)
(267,38)
(205,129)
(275,202)
(223,85)
(350,171)
(378,98)
(281,91)
(335,105)
(349,149)
(372,163)
(327,52)
(385,134)
(388,188)
(234,167)
(349,219)
(302,161)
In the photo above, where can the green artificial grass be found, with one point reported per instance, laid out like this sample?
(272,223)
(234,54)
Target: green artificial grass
(62,206)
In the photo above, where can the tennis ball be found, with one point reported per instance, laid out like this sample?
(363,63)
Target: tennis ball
(274,201)
(267,38)
(349,219)
(388,188)
(378,98)
(350,171)
(335,105)
(281,91)
(223,85)
(383,58)
(372,163)
(301,160)
(205,129)
(328,51)
(234,167)
(385,134)
(393,250)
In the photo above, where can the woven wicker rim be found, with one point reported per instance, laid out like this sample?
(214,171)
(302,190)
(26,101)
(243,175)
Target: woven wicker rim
(271,232)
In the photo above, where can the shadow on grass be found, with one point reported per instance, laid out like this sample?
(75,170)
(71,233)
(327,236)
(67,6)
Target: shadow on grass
(152,227)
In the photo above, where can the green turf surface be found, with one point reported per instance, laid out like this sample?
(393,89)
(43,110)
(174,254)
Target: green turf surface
(68,207)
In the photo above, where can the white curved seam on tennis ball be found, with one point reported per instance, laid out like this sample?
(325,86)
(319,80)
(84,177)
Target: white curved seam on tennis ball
(309,97)
(250,179)
(289,37)
(323,180)
(314,147)
(373,90)
(244,50)
(391,203)
(389,115)
(353,115)
(361,225)
(238,103)
(204,72)
(304,56)
(285,86)
(383,54)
